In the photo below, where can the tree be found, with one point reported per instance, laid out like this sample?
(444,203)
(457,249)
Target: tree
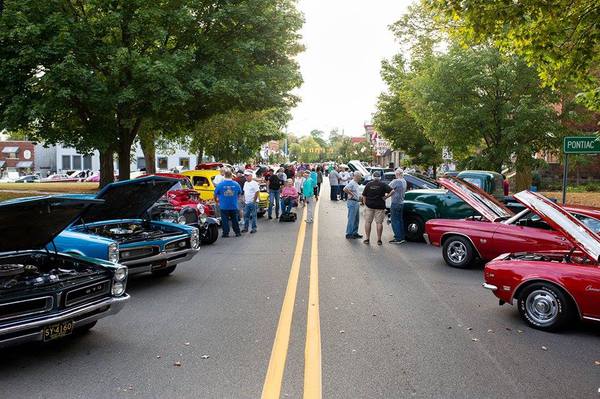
(560,37)
(318,136)
(486,107)
(93,74)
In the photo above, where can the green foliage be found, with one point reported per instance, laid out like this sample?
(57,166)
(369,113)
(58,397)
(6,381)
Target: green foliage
(560,37)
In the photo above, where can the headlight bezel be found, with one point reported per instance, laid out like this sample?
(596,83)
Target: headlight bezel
(118,288)
(120,274)
(195,239)
(113,252)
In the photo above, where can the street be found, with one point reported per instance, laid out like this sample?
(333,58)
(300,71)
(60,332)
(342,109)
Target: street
(395,322)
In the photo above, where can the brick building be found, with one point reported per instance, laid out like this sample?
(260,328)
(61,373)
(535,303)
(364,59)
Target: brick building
(17,158)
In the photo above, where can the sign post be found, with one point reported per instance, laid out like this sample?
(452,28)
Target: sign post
(577,145)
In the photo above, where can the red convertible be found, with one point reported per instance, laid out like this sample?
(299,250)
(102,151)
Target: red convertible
(551,288)
(497,230)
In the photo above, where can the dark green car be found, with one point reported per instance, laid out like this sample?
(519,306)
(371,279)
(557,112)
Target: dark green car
(425,204)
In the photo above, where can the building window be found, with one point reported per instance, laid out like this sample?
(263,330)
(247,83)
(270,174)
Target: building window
(77,162)
(66,162)
(163,163)
(141,163)
(184,163)
(87,162)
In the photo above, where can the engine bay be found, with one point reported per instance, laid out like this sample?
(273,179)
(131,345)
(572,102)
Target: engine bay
(571,257)
(129,232)
(40,269)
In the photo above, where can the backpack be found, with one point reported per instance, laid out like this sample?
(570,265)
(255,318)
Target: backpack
(288,217)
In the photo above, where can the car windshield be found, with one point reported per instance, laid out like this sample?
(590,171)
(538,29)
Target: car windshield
(591,223)
(177,186)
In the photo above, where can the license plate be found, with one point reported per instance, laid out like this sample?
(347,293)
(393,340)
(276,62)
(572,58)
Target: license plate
(58,330)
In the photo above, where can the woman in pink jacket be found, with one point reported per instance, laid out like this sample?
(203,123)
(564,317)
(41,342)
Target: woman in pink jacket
(289,196)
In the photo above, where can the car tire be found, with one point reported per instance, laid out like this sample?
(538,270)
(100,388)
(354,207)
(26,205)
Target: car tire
(86,327)
(414,228)
(545,306)
(211,235)
(164,272)
(458,252)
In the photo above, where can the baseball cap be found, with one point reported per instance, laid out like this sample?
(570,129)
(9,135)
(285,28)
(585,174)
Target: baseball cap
(377,174)
(247,173)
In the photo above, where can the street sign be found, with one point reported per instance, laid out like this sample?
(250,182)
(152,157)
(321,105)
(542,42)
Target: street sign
(581,145)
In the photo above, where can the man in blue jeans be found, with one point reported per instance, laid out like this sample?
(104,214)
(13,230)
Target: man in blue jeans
(226,197)
(353,205)
(399,187)
(274,185)
(251,190)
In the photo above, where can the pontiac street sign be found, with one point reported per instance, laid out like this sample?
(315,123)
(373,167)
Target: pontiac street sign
(581,145)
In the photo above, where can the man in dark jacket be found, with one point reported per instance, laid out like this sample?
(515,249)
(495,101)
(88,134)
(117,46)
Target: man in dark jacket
(374,196)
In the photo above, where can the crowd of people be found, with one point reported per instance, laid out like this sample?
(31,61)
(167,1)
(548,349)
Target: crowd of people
(236,197)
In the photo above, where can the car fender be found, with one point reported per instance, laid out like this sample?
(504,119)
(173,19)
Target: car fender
(421,209)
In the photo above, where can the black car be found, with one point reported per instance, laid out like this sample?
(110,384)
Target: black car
(412,182)
(46,295)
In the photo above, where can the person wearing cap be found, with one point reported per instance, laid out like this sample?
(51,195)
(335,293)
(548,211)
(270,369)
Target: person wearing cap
(353,205)
(334,178)
(374,196)
(308,192)
(226,197)
(251,190)
(398,186)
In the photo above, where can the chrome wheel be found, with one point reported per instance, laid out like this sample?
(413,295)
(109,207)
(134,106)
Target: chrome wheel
(456,251)
(542,306)
(412,228)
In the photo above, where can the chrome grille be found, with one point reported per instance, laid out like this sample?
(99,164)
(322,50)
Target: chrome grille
(25,307)
(127,254)
(87,292)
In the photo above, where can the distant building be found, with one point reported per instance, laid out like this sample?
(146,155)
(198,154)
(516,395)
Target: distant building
(358,140)
(17,158)
(384,154)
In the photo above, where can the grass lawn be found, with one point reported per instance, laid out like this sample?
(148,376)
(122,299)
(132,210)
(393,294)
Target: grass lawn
(7,196)
(589,199)
(52,187)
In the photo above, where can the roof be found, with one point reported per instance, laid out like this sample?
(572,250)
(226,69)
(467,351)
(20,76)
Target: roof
(24,164)
(356,140)
(9,150)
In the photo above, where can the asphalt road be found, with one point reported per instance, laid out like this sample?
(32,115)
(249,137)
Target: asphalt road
(395,322)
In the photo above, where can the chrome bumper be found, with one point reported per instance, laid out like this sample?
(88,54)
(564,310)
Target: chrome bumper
(489,287)
(32,329)
(426,238)
(168,258)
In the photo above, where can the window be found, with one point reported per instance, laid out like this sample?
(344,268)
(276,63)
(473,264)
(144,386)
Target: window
(162,163)
(200,181)
(66,162)
(87,162)
(141,163)
(77,162)
(184,163)
(591,223)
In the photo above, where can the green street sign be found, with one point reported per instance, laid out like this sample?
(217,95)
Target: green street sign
(581,145)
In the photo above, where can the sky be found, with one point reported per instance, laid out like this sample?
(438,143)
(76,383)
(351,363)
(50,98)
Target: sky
(345,41)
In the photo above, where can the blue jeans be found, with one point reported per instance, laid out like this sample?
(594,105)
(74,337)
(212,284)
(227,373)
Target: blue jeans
(274,199)
(228,215)
(287,205)
(353,217)
(250,215)
(397,222)
(343,195)
(334,193)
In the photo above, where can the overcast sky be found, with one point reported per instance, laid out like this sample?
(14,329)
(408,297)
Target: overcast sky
(345,42)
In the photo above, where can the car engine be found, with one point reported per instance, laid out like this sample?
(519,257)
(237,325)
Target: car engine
(128,232)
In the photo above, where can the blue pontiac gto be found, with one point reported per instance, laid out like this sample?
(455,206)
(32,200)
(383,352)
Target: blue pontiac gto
(119,229)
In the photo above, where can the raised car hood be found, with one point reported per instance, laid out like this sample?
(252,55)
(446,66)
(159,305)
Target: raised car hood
(482,202)
(31,223)
(561,220)
(129,199)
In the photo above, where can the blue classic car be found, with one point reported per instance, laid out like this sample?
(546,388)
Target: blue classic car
(120,230)
(45,294)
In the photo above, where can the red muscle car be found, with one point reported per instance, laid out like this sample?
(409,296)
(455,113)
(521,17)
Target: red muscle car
(551,288)
(497,230)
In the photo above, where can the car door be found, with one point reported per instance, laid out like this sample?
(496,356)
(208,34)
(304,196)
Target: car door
(526,233)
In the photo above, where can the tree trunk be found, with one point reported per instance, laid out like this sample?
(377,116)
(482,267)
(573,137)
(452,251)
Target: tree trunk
(200,156)
(524,174)
(107,167)
(147,141)
(124,154)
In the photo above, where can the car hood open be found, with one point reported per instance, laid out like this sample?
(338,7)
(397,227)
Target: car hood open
(482,202)
(31,223)
(561,220)
(129,199)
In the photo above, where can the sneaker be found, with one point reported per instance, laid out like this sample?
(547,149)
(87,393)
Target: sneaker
(238,234)
(245,231)
(350,237)
(358,236)
(225,236)
(394,241)
(270,217)
(252,231)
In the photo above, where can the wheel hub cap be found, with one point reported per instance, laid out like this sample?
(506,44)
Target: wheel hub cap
(542,307)
(413,228)
(456,252)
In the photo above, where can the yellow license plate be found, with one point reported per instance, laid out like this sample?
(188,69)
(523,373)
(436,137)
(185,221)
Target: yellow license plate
(58,330)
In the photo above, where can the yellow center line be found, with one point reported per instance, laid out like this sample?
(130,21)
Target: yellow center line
(312,350)
(274,377)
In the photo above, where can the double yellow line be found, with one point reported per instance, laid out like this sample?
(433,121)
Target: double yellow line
(312,350)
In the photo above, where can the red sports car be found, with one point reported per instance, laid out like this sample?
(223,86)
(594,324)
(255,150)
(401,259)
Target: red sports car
(496,230)
(550,287)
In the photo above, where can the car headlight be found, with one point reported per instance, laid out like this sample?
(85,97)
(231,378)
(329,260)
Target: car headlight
(113,252)
(202,219)
(181,220)
(118,288)
(195,240)
(120,274)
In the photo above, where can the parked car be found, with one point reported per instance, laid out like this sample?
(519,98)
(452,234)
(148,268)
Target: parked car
(550,288)
(119,230)
(59,178)
(495,229)
(28,179)
(412,182)
(203,182)
(45,294)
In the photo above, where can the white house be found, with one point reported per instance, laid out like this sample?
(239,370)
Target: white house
(59,159)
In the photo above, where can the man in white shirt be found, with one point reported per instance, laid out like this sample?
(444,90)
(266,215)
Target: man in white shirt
(251,190)
(220,177)
(345,178)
